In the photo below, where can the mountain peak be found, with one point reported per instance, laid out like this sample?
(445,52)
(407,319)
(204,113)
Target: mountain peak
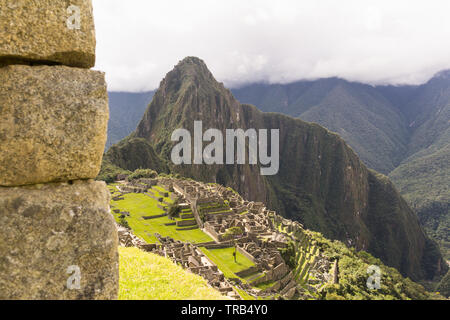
(191,68)
(191,60)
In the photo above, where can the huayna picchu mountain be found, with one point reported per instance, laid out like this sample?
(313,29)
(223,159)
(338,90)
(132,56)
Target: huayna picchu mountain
(321,181)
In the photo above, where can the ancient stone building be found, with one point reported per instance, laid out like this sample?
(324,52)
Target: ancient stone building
(58,239)
(260,235)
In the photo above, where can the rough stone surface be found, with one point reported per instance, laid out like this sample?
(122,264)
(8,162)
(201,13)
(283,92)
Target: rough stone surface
(45,229)
(37,31)
(53,124)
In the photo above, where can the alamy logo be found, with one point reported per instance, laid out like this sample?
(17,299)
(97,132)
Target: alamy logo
(74,21)
(235,147)
(374,281)
(74,281)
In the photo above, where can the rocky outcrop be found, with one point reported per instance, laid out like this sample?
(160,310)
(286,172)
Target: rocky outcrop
(57,240)
(53,124)
(47,32)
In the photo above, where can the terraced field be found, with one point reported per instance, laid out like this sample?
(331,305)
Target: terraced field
(142,208)
(223,258)
(306,253)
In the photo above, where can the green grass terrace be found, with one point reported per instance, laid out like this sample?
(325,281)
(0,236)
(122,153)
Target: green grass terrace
(146,276)
(142,208)
(224,260)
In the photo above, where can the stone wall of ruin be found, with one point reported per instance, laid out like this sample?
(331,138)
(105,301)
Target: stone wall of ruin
(58,239)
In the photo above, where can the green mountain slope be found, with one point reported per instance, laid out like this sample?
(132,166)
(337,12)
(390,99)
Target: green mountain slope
(424,177)
(357,112)
(444,286)
(321,182)
(402,131)
(135,153)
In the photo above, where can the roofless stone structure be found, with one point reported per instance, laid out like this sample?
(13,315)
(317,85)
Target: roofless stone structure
(258,234)
(58,239)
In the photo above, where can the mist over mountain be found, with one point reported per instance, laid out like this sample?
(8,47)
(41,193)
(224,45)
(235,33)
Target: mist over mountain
(321,182)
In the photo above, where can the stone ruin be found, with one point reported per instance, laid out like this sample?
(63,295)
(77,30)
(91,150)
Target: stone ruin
(262,235)
(187,255)
(128,239)
(191,258)
(58,239)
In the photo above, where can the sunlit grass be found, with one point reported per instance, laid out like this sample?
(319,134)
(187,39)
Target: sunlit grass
(140,205)
(223,258)
(146,276)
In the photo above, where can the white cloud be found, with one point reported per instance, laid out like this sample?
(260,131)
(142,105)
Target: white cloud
(382,41)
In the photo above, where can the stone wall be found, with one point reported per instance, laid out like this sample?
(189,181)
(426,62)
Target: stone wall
(186,223)
(247,272)
(58,239)
(189,256)
(246,254)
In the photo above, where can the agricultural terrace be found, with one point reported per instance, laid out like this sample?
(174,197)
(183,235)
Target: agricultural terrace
(142,209)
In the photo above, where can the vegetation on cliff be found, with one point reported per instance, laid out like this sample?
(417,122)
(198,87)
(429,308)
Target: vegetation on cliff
(134,153)
(353,276)
(444,286)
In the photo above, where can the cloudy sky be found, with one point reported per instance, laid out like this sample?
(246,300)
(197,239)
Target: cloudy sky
(242,41)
